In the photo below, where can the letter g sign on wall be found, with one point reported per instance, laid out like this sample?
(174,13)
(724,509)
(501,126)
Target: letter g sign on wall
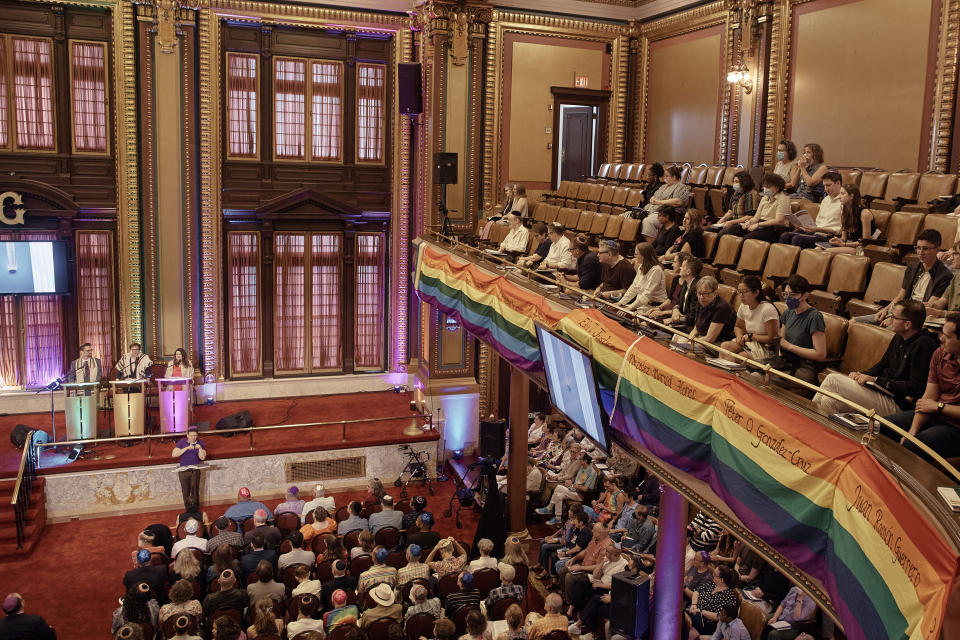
(16,198)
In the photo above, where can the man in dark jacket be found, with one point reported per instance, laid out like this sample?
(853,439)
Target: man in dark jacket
(896,381)
(229,597)
(153,575)
(18,624)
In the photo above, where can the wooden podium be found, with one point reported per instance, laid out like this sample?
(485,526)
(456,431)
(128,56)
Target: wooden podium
(174,404)
(80,407)
(128,408)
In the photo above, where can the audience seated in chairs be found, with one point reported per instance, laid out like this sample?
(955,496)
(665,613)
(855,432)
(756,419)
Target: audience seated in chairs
(271,534)
(672,193)
(258,552)
(485,547)
(224,536)
(571,490)
(476,627)
(743,202)
(757,329)
(552,620)
(647,288)
(681,310)
(307,607)
(365,548)
(320,499)
(386,606)
(292,503)
(228,597)
(466,595)
(379,573)
(715,318)
(591,600)
(183,627)
(191,540)
(770,217)
(421,602)
(354,522)
(803,341)
(154,575)
(640,532)
(709,599)
(297,554)
(226,628)
(507,588)
(425,537)
(341,614)
(453,558)
(414,569)
(245,507)
(829,222)
(556,550)
(145,540)
(186,566)
(580,566)
(386,517)
(616,272)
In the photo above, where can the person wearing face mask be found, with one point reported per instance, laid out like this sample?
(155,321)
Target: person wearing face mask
(786,166)
(829,217)
(771,214)
(856,223)
(803,338)
(812,169)
(743,202)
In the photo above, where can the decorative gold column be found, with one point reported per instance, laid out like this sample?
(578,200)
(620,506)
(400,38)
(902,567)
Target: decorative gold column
(166,64)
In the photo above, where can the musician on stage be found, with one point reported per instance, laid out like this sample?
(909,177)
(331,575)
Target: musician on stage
(134,365)
(191,452)
(86,368)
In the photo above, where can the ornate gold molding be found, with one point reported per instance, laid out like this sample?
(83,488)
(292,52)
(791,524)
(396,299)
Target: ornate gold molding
(210,142)
(728,135)
(511,22)
(775,77)
(945,86)
(127,159)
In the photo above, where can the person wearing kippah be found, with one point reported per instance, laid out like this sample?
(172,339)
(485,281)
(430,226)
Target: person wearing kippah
(320,499)
(245,507)
(425,537)
(18,624)
(379,573)
(153,575)
(414,569)
(342,612)
(292,504)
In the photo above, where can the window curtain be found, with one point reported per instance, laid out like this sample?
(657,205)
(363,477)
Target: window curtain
(9,357)
(94,297)
(289,97)
(370,99)
(326,111)
(244,302)
(325,282)
(242,105)
(289,319)
(368,349)
(89,96)
(33,92)
(43,337)
(4,132)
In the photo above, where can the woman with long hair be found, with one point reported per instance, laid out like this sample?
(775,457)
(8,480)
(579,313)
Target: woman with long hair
(758,321)
(856,223)
(647,288)
(519,204)
(712,596)
(265,622)
(513,552)
(223,559)
(812,167)
(691,241)
(137,606)
(334,550)
(186,566)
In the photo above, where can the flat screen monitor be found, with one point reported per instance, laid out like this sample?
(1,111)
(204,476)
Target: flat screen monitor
(33,267)
(573,385)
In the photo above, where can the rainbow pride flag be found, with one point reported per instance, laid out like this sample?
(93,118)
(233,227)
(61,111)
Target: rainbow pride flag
(818,498)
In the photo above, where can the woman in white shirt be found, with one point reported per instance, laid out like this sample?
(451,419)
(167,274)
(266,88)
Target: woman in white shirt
(758,322)
(648,287)
(787,164)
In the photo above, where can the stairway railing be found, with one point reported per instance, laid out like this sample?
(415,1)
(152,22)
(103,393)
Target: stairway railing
(21,490)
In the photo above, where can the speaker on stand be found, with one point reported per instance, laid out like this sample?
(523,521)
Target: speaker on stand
(630,604)
(444,173)
(493,438)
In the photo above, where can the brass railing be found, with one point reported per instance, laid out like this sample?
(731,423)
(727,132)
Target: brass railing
(24,484)
(765,368)
(421,418)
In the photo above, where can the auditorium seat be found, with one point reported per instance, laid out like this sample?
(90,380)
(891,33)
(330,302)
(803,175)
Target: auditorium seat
(629,232)
(600,222)
(589,195)
(551,211)
(848,278)
(585,221)
(417,626)
(684,173)
(633,173)
(753,618)
(614,173)
(710,244)
(814,265)
(932,186)
(901,189)
(884,285)
(606,198)
(632,201)
(728,293)
(497,233)
(753,254)
(697,176)
(728,252)
(568,217)
(812,208)
(781,261)
(720,194)
(900,236)
(851,176)
(612,230)
(539,211)
(619,197)
(713,178)
(571,198)
(603,171)
(622,173)
(872,185)
(836,332)
(866,344)
(563,190)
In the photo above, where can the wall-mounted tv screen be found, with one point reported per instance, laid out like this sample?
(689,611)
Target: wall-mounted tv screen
(573,385)
(33,267)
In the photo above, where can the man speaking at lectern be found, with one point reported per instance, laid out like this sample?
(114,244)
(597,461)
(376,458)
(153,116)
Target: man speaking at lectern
(86,368)
(134,365)
(191,452)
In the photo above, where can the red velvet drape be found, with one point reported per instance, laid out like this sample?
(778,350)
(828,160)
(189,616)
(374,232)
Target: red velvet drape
(95,292)
(289,97)
(33,92)
(244,302)
(242,105)
(370,301)
(371,82)
(289,318)
(325,317)
(326,114)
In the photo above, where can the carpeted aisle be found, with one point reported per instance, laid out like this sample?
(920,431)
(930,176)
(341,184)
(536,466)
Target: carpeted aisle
(73,578)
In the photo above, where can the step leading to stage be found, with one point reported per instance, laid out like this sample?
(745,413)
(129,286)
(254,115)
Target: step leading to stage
(129,490)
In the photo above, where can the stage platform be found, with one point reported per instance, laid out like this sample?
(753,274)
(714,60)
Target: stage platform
(275,411)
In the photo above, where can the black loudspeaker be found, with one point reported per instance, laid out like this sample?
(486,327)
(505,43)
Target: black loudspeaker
(630,605)
(444,168)
(493,438)
(18,437)
(411,88)
(240,420)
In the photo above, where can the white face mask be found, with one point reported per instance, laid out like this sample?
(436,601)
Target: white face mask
(768,193)
(781,155)
(737,187)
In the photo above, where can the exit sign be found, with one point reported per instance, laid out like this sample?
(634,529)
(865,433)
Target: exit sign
(580,81)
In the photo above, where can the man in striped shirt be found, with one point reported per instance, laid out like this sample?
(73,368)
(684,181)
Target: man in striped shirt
(704,534)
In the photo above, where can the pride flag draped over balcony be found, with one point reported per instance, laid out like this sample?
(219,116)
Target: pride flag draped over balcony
(818,498)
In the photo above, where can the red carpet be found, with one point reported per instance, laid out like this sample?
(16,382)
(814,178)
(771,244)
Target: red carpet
(275,411)
(73,578)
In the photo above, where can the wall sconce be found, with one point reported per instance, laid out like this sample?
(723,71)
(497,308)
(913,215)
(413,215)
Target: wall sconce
(740,76)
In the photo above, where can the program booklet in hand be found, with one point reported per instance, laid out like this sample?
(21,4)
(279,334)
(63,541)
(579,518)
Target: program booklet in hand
(878,389)
(800,219)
